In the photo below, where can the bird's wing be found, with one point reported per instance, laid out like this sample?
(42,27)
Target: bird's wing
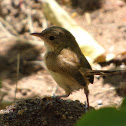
(86,66)
(69,63)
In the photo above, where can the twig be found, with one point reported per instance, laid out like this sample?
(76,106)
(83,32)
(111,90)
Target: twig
(5,31)
(44,22)
(9,26)
(18,66)
(30,23)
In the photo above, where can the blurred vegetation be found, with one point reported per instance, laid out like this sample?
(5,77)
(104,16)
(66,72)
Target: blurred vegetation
(105,117)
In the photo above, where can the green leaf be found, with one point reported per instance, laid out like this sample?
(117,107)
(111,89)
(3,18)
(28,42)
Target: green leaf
(123,106)
(103,117)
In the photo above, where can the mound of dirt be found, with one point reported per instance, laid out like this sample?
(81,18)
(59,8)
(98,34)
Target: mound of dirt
(45,111)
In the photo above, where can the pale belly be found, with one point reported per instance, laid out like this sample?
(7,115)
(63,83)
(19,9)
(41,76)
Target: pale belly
(69,84)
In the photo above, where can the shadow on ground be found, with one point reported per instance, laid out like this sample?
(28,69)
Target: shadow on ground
(8,60)
(116,80)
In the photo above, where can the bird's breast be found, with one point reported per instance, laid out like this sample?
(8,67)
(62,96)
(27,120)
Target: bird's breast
(62,78)
(65,81)
(50,60)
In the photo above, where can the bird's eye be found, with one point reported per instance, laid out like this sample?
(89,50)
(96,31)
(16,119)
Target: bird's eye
(51,37)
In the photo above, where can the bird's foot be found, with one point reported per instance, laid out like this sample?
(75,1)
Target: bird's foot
(60,96)
(54,96)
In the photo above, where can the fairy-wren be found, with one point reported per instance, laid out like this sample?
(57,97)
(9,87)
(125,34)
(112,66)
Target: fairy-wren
(65,61)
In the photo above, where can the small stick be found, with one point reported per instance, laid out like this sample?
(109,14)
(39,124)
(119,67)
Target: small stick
(30,23)
(18,66)
(9,26)
(5,31)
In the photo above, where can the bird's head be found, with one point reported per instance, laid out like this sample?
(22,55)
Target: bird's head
(56,38)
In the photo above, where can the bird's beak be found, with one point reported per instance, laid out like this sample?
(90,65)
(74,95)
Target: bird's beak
(36,34)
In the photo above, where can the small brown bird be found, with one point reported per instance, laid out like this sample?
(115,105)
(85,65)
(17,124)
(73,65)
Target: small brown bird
(65,61)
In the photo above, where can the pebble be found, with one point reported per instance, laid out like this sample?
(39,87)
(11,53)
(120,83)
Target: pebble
(99,102)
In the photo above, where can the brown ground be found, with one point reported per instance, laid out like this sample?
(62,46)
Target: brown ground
(108,27)
(43,112)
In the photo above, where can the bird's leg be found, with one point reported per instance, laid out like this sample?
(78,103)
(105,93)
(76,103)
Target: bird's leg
(86,91)
(87,100)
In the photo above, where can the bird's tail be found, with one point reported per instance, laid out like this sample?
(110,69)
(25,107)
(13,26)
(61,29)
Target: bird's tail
(104,72)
